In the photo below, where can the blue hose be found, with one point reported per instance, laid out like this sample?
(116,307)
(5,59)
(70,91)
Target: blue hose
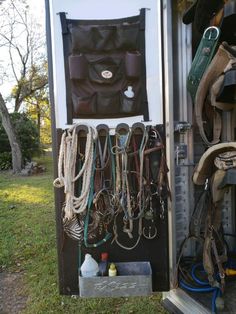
(193,289)
(200,282)
(213,301)
(216,294)
(205,287)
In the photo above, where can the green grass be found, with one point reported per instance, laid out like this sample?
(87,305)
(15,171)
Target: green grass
(28,244)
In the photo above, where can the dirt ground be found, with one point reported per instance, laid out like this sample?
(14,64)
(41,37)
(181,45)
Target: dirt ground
(12,299)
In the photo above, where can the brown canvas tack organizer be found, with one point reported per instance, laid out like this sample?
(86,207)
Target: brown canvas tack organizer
(105,67)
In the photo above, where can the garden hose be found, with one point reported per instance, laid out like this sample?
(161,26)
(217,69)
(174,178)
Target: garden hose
(191,279)
(195,278)
(204,287)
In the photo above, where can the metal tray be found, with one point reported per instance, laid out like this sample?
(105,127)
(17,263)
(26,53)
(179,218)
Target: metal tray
(133,279)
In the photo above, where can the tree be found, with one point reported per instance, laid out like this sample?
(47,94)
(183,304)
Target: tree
(23,40)
(28,136)
(38,108)
(13,140)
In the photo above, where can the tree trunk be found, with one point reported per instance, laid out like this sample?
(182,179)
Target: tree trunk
(38,118)
(14,143)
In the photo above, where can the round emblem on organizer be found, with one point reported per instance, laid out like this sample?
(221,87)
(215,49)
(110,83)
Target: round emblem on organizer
(106,74)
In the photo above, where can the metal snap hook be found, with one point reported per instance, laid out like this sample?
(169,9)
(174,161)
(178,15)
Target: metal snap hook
(154,189)
(153,134)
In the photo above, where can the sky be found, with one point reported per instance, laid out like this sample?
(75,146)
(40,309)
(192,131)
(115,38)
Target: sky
(38,13)
(37,8)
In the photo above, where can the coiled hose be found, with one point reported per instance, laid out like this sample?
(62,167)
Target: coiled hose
(204,287)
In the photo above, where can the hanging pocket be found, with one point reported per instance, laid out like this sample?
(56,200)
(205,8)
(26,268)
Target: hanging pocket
(108,103)
(77,67)
(104,37)
(87,38)
(84,105)
(127,36)
(133,64)
(105,70)
(127,105)
(130,105)
(82,37)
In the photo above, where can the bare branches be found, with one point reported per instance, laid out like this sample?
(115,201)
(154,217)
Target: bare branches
(22,50)
(23,43)
(12,65)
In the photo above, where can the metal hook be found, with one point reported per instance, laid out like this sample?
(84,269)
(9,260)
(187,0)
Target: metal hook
(149,236)
(211,29)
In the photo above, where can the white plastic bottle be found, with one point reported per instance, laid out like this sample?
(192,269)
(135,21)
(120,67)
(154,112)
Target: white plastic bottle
(89,267)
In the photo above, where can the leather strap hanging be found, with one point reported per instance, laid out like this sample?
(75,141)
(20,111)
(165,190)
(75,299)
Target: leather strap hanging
(217,87)
(66,39)
(202,59)
(144,99)
(199,214)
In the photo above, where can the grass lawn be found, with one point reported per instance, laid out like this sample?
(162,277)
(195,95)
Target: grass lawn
(28,245)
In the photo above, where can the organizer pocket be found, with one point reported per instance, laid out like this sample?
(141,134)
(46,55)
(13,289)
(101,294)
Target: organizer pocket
(127,104)
(105,70)
(108,103)
(86,38)
(78,67)
(104,37)
(127,36)
(130,105)
(84,105)
(133,65)
(82,37)
(92,38)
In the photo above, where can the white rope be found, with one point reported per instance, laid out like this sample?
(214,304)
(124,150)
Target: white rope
(66,170)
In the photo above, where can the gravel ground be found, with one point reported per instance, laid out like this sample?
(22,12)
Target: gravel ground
(12,301)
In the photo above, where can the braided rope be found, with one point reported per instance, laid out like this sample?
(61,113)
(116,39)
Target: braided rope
(66,170)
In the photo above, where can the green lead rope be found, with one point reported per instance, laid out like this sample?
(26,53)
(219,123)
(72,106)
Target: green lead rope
(90,201)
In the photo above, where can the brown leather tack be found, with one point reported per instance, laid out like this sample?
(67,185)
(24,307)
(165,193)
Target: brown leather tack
(221,61)
(216,179)
(205,168)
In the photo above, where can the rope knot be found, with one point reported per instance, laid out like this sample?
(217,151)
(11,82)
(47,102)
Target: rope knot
(58,183)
